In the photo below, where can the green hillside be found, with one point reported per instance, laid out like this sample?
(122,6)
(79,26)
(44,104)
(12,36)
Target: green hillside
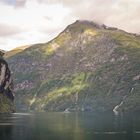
(87,67)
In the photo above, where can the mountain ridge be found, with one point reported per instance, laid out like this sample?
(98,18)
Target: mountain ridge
(96,24)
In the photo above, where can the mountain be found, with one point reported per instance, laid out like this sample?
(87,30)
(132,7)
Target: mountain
(15,51)
(87,67)
(6,87)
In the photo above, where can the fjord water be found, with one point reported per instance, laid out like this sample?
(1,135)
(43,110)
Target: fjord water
(69,126)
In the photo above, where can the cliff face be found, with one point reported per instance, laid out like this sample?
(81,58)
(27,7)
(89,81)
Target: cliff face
(6,87)
(86,67)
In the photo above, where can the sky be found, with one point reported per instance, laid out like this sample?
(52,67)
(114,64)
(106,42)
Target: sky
(25,22)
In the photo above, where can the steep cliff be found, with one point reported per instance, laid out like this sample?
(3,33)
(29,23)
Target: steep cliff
(86,67)
(6,87)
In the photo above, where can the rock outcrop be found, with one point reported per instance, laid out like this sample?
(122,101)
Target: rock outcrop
(6,87)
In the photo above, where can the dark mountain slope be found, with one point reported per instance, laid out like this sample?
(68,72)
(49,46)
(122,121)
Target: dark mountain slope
(6,87)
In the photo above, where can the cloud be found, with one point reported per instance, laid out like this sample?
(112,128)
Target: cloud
(34,23)
(15,3)
(7,30)
(124,14)
(68,3)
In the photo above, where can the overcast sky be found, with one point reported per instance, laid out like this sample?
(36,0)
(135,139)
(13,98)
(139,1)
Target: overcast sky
(25,22)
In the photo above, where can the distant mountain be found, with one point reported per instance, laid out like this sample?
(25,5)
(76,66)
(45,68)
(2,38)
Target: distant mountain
(87,67)
(15,51)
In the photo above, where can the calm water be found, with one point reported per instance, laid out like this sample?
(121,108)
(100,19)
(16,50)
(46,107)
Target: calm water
(69,126)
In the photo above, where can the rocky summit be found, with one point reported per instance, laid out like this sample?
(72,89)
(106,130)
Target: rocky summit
(87,67)
(6,87)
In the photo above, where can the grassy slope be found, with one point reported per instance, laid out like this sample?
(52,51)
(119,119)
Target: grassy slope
(6,105)
(15,51)
(86,66)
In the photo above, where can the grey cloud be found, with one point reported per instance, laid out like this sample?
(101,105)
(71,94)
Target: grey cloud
(64,2)
(20,3)
(75,3)
(8,2)
(7,30)
(48,18)
(15,3)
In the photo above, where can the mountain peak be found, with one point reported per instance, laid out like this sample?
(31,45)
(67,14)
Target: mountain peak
(90,23)
(86,23)
(78,25)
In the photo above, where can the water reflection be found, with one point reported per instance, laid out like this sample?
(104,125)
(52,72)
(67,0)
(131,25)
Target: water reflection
(69,126)
(5,127)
